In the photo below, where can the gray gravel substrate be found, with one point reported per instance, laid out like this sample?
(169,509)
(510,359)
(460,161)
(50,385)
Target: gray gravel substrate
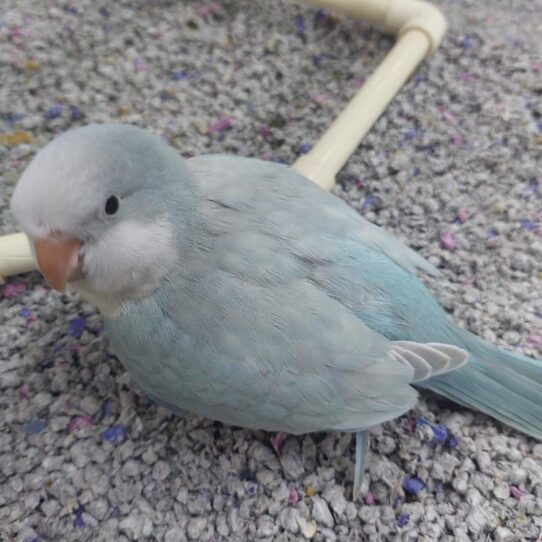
(453,167)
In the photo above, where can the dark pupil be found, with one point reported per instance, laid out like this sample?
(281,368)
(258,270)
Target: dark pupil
(111,205)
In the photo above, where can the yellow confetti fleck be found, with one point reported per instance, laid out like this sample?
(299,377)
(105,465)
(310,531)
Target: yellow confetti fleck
(499,207)
(310,491)
(31,65)
(123,111)
(16,138)
(70,505)
(538,140)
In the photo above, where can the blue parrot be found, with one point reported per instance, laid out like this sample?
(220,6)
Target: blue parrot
(238,290)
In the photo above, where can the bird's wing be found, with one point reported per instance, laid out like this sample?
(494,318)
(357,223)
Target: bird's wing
(238,182)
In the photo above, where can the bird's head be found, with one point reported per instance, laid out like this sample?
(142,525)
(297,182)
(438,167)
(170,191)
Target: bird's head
(105,207)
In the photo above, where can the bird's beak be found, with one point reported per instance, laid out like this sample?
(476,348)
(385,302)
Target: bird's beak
(58,261)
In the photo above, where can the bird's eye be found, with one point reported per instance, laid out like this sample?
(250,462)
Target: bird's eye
(112,205)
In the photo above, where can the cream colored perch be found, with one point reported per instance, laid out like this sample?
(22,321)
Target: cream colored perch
(15,255)
(419,26)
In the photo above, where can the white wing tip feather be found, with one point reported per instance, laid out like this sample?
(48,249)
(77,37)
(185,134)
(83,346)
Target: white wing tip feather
(430,359)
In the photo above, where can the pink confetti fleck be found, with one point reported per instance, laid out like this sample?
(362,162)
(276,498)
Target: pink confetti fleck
(516,492)
(369,498)
(278,441)
(411,424)
(22,392)
(466,77)
(458,139)
(462,215)
(220,125)
(206,10)
(293,495)
(263,130)
(535,341)
(320,98)
(360,183)
(14,289)
(357,82)
(79,422)
(448,240)
(447,116)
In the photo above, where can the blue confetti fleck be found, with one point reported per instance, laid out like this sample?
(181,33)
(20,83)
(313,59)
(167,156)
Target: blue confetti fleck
(300,25)
(421,421)
(53,112)
(440,434)
(492,232)
(70,9)
(12,118)
(179,75)
(413,486)
(418,79)
(528,225)
(317,59)
(452,443)
(106,408)
(416,172)
(278,160)
(319,16)
(368,202)
(78,520)
(114,434)
(402,520)
(539,126)
(466,42)
(75,112)
(410,134)
(33,427)
(304,148)
(115,512)
(77,326)
(252,489)
(25,313)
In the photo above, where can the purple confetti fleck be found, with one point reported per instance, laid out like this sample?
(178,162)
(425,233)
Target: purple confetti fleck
(516,492)
(440,434)
(263,130)
(448,240)
(462,215)
(23,392)
(492,232)
(300,25)
(369,498)
(114,434)
(304,148)
(360,183)
(368,202)
(278,441)
(53,112)
(206,10)
(33,427)
(539,126)
(75,112)
(528,224)
(220,125)
(410,134)
(77,326)
(78,513)
(139,64)
(458,140)
(402,520)
(79,423)
(452,443)
(14,289)
(179,75)
(535,341)
(293,495)
(413,486)
(466,42)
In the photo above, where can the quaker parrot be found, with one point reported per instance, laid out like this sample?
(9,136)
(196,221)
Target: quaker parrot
(239,290)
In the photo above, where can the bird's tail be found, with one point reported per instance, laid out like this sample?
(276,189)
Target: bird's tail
(505,385)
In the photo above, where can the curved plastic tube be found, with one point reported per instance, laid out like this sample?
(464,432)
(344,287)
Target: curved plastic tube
(420,27)
(15,255)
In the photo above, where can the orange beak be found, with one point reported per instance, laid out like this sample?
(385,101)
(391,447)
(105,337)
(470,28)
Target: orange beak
(58,261)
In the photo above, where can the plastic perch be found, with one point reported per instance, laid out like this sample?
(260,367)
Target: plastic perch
(419,27)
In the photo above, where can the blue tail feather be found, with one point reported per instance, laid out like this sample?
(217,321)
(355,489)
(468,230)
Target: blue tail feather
(504,385)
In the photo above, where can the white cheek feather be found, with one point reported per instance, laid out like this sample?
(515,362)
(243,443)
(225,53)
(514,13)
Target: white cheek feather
(128,261)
